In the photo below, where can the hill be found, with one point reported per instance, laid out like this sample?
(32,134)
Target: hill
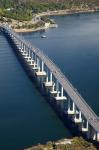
(24,9)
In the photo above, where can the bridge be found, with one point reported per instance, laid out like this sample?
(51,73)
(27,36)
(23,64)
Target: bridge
(55,83)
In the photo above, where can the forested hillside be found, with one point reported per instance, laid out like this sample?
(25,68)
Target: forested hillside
(23,9)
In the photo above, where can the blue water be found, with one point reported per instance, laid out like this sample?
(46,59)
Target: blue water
(74,47)
(25,116)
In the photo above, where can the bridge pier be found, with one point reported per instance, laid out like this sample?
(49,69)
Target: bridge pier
(25,53)
(34,66)
(53,91)
(40,72)
(48,84)
(71,107)
(97,136)
(77,116)
(29,55)
(33,63)
(84,127)
(60,97)
(32,59)
(92,134)
(22,49)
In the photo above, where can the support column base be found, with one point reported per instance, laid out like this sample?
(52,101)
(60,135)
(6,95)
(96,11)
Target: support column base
(70,112)
(48,84)
(40,73)
(54,92)
(59,98)
(84,129)
(28,59)
(77,120)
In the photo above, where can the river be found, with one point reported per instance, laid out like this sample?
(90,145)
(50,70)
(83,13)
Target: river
(25,116)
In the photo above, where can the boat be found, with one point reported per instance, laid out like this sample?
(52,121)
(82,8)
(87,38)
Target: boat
(43,36)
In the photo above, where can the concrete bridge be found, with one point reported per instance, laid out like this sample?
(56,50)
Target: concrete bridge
(55,83)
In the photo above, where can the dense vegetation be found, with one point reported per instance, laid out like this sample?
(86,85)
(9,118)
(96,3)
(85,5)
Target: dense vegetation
(23,9)
(76,144)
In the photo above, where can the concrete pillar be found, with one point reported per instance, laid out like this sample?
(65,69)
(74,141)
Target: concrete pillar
(77,116)
(57,88)
(51,76)
(49,83)
(80,115)
(32,59)
(47,76)
(98,136)
(71,107)
(62,91)
(53,87)
(92,133)
(29,53)
(24,50)
(38,64)
(95,136)
(26,55)
(21,47)
(68,104)
(77,113)
(42,66)
(35,58)
(32,56)
(85,125)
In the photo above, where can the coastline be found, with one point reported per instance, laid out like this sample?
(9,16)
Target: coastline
(55,13)
(62,144)
(28,30)
(66,12)
(23,30)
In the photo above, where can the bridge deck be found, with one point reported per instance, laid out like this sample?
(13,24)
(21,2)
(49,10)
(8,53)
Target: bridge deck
(88,113)
(71,91)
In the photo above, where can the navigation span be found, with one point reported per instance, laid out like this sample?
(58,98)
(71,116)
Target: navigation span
(56,85)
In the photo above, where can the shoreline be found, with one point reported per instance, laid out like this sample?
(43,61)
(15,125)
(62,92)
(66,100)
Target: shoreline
(34,30)
(66,12)
(73,143)
(28,30)
(55,13)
